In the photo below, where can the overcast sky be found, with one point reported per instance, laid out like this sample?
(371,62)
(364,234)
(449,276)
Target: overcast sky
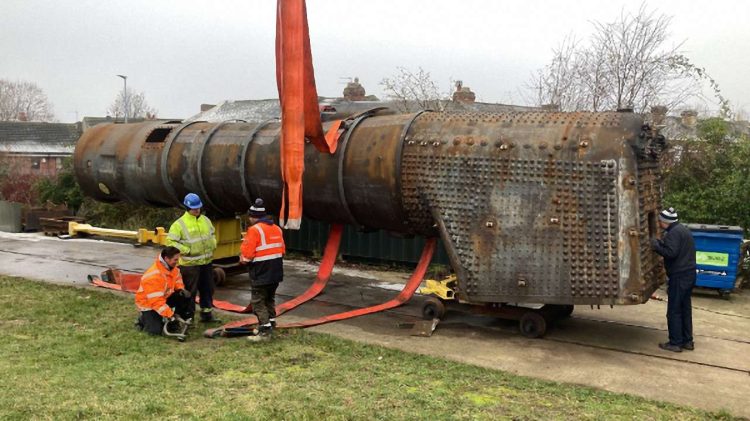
(184,53)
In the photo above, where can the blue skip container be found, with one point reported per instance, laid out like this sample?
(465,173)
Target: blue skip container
(717,255)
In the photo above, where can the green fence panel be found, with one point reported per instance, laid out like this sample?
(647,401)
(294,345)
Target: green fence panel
(377,246)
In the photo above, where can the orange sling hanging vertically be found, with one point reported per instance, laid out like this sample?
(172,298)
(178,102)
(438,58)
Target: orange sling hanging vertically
(300,116)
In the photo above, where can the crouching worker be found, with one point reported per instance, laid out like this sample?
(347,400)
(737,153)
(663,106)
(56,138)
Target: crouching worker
(263,251)
(162,293)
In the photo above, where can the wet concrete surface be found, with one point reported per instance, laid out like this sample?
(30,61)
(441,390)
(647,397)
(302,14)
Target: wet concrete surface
(609,348)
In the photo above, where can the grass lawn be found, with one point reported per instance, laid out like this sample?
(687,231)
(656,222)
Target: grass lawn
(72,353)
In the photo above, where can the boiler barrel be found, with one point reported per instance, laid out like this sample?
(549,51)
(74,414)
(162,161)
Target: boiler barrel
(532,207)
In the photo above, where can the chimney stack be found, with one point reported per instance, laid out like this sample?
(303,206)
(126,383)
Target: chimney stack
(463,94)
(689,118)
(354,91)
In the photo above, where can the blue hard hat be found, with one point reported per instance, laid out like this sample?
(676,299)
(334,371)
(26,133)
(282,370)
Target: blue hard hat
(192,201)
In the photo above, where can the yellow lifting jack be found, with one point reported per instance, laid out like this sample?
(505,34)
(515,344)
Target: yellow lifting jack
(439,292)
(441,289)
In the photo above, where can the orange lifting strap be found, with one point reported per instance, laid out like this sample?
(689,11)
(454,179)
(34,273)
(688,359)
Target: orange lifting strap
(129,282)
(300,114)
(245,326)
(331,251)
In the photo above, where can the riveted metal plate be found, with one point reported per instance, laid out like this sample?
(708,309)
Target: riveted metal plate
(531,206)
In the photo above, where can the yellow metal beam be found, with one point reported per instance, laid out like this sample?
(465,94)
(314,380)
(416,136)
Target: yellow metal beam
(228,235)
(74,228)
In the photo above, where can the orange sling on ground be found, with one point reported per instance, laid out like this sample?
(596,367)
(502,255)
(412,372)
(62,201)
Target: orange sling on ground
(405,295)
(300,116)
(245,326)
(129,282)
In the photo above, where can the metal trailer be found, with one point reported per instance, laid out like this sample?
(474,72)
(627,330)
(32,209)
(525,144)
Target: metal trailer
(541,208)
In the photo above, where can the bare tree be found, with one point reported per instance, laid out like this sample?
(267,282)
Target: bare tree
(24,101)
(137,105)
(414,91)
(553,84)
(625,64)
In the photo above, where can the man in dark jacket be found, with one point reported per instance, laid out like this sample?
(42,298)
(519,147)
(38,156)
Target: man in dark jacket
(678,249)
(263,251)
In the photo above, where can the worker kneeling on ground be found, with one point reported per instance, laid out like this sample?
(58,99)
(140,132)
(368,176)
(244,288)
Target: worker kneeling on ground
(162,293)
(263,251)
(193,235)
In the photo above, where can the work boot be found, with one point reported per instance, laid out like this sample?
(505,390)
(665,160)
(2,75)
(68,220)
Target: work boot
(261,334)
(689,346)
(273,323)
(670,347)
(208,317)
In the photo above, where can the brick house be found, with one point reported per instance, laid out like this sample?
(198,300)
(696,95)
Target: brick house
(31,148)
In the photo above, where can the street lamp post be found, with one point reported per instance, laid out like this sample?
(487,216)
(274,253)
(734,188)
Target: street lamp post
(125,95)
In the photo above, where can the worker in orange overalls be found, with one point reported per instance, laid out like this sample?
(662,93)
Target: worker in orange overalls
(263,251)
(162,293)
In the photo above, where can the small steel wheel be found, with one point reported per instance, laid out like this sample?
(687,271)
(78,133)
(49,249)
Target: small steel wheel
(566,311)
(219,276)
(433,308)
(532,325)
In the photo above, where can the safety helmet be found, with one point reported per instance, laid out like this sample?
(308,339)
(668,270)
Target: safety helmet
(192,201)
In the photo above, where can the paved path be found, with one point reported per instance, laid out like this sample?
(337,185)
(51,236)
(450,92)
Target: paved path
(613,349)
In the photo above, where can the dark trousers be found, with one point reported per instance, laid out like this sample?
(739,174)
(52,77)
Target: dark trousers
(264,304)
(679,308)
(153,323)
(199,280)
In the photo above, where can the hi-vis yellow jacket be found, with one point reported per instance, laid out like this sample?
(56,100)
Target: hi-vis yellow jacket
(195,239)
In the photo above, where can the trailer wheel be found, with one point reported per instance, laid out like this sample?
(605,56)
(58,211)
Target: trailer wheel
(433,308)
(532,325)
(219,276)
(566,311)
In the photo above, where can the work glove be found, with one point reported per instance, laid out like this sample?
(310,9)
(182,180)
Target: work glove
(168,319)
(654,243)
(184,293)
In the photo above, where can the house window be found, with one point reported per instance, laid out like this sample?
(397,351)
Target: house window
(59,163)
(35,163)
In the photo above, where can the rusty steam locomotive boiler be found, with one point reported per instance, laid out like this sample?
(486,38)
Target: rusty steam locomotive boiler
(532,207)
